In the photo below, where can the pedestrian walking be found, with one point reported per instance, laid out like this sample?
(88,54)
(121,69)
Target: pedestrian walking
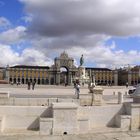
(29,85)
(33,85)
(126,84)
(77,90)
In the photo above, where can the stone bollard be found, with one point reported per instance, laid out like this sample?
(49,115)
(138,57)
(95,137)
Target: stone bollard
(120,98)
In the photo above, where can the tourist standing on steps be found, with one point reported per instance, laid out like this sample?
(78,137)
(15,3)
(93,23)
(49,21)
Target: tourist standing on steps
(77,90)
(33,85)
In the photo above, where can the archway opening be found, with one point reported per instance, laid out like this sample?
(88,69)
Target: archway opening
(64,76)
(15,80)
(43,81)
(47,81)
(10,80)
(38,82)
(52,81)
(22,80)
(26,80)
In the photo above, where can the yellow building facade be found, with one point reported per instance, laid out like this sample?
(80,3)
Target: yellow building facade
(1,74)
(129,75)
(22,74)
(54,76)
(103,76)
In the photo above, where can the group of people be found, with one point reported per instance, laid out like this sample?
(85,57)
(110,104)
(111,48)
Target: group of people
(31,83)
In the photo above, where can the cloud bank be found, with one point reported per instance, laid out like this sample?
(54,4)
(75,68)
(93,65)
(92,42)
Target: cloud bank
(84,17)
(78,27)
(29,56)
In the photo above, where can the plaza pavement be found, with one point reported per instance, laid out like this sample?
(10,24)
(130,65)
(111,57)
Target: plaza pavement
(110,94)
(56,90)
(93,136)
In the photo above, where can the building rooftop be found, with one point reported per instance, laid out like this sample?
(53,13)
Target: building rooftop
(31,67)
(101,69)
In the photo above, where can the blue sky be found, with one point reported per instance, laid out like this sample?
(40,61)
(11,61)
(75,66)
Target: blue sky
(34,32)
(12,10)
(126,43)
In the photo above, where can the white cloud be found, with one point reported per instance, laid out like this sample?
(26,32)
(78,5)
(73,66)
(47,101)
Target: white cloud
(79,27)
(29,56)
(28,18)
(7,55)
(4,22)
(11,36)
(35,57)
(66,17)
(106,56)
(100,56)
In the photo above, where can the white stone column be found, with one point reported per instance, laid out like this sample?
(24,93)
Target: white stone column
(6,77)
(70,78)
(57,78)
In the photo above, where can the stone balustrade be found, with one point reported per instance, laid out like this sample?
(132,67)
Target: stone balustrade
(4,94)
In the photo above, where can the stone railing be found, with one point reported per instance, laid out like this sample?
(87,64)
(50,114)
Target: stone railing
(4,94)
(93,98)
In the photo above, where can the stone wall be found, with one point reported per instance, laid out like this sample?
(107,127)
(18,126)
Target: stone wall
(33,101)
(70,118)
(101,116)
(76,119)
(21,117)
(135,117)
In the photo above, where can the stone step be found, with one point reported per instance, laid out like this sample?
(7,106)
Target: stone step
(123,122)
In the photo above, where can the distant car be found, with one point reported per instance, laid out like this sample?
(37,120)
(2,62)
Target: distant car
(131,90)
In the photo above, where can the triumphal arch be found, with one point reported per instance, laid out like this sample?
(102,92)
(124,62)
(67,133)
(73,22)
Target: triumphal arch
(64,69)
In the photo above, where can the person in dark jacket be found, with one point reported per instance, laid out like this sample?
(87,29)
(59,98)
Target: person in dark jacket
(29,84)
(33,85)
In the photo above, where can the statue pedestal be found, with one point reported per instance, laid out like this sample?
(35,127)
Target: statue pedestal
(81,71)
(93,98)
(81,74)
(97,96)
(136,95)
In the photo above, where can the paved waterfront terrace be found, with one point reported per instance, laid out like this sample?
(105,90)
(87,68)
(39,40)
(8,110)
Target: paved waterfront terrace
(25,113)
(42,91)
